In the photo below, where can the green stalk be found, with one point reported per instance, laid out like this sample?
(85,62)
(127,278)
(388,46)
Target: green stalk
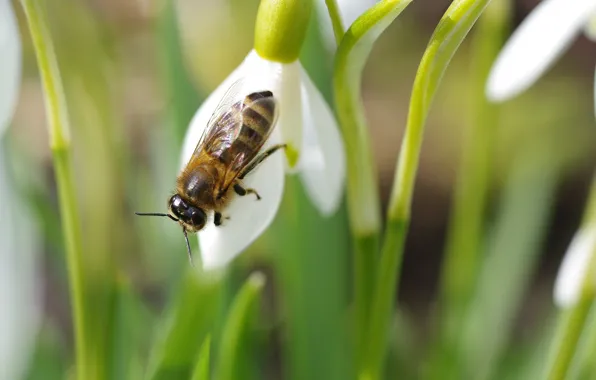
(61,152)
(571,322)
(336,21)
(452,29)
(201,371)
(462,256)
(238,327)
(583,365)
(362,190)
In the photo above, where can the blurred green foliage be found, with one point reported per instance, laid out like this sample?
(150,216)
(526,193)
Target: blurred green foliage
(134,75)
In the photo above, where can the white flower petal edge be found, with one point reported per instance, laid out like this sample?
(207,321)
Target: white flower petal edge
(574,267)
(10,63)
(249,217)
(19,285)
(322,164)
(536,44)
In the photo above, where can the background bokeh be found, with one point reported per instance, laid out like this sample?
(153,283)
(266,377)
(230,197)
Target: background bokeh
(135,71)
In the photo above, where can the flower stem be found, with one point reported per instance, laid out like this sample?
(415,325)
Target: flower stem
(452,29)
(362,190)
(462,253)
(60,145)
(571,322)
(336,21)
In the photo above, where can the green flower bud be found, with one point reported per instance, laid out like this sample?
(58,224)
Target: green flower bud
(280,29)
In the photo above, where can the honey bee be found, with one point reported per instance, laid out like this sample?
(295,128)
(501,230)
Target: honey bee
(228,151)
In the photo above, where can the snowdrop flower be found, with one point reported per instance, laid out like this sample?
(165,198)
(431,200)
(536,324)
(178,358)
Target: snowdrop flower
(19,298)
(305,123)
(540,39)
(575,266)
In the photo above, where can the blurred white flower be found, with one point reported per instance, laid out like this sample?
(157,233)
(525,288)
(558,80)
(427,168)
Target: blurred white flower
(19,291)
(574,268)
(10,63)
(536,44)
(305,123)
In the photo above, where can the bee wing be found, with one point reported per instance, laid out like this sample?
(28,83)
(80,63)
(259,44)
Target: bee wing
(225,118)
(241,158)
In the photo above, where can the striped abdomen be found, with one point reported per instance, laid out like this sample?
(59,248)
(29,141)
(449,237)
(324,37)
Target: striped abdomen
(258,118)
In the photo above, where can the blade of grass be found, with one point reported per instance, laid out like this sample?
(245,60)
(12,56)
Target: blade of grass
(451,31)
(129,323)
(511,259)
(583,367)
(311,266)
(201,371)
(466,225)
(59,135)
(572,321)
(189,319)
(235,339)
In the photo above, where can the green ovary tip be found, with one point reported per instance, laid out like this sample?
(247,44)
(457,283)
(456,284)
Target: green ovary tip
(280,29)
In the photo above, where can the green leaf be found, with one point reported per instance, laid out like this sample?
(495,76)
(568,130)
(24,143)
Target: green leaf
(236,335)
(466,226)
(189,319)
(312,266)
(50,357)
(201,371)
(512,255)
(130,321)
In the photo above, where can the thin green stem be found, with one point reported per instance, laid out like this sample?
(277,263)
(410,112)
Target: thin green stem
(336,20)
(452,29)
(571,322)
(238,325)
(362,190)
(465,235)
(462,252)
(60,144)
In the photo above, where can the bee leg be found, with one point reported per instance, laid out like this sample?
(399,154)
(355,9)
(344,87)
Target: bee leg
(260,158)
(243,191)
(217,218)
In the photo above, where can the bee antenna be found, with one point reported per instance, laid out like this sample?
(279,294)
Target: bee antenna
(188,247)
(155,214)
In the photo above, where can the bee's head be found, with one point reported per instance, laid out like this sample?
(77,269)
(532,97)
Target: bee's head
(192,218)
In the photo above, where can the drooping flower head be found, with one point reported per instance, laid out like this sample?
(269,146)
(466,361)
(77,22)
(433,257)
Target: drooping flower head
(305,124)
(537,43)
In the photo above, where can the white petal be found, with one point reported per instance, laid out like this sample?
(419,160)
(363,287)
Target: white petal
(574,267)
(248,217)
(284,81)
(536,44)
(323,162)
(10,63)
(19,287)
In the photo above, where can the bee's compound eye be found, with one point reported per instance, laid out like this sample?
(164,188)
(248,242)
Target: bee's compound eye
(198,217)
(177,206)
